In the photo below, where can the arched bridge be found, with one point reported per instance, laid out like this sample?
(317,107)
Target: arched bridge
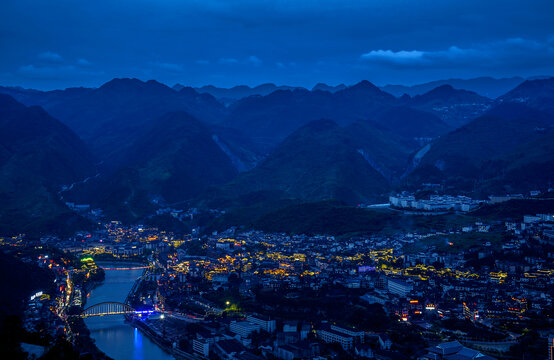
(108,308)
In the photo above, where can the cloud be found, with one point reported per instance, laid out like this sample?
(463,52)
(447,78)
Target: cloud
(507,51)
(228,61)
(50,56)
(55,72)
(169,67)
(254,60)
(251,60)
(83,62)
(393,56)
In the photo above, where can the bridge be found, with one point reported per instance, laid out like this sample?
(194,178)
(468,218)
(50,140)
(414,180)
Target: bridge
(112,308)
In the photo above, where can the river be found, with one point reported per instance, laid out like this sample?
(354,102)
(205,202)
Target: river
(118,339)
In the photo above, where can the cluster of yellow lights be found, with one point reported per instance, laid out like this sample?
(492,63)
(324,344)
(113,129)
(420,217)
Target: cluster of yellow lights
(540,273)
(425,271)
(498,276)
(277,272)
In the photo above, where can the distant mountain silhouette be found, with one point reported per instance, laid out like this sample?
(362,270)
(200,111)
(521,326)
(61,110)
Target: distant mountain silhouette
(329,88)
(110,116)
(537,94)
(230,95)
(454,107)
(159,146)
(38,154)
(269,119)
(484,86)
(480,150)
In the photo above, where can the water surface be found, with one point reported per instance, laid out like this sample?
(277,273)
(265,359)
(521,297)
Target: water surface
(118,339)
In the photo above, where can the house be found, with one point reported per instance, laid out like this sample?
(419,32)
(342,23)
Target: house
(453,350)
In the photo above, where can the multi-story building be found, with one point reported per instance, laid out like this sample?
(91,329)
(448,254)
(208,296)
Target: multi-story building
(329,335)
(346,337)
(265,322)
(244,328)
(359,336)
(551,347)
(201,346)
(399,287)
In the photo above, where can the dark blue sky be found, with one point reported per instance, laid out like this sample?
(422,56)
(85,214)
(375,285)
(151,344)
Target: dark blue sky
(56,44)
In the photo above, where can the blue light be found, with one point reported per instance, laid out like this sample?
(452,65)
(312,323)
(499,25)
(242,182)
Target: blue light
(138,340)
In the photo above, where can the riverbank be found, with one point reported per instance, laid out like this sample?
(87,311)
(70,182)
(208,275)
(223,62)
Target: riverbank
(81,339)
(78,333)
(161,342)
(152,335)
(114,335)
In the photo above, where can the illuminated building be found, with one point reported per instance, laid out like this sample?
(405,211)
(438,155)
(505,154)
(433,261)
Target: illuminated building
(469,311)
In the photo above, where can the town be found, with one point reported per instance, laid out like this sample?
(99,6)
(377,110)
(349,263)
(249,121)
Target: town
(477,290)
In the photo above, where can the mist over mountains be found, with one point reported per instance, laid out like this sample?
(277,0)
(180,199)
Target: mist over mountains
(143,145)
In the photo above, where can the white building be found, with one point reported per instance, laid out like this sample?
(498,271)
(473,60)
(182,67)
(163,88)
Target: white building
(264,322)
(399,287)
(244,328)
(201,346)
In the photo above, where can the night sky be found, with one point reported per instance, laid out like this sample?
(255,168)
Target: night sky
(57,44)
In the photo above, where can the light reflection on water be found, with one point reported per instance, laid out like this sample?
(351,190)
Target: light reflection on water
(113,336)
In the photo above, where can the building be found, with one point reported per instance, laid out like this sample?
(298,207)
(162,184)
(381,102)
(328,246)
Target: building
(331,336)
(364,351)
(453,350)
(201,347)
(359,336)
(399,287)
(470,312)
(244,328)
(344,336)
(265,322)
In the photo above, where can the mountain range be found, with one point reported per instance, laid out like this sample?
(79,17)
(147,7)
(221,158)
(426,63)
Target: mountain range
(485,86)
(144,145)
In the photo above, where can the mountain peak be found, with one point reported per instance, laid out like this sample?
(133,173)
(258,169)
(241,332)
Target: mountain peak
(365,84)
(117,83)
(125,84)
(447,91)
(330,88)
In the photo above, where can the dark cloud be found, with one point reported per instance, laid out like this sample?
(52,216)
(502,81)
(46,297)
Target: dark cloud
(251,41)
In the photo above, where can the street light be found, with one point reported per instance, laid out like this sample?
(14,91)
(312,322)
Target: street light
(227,303)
